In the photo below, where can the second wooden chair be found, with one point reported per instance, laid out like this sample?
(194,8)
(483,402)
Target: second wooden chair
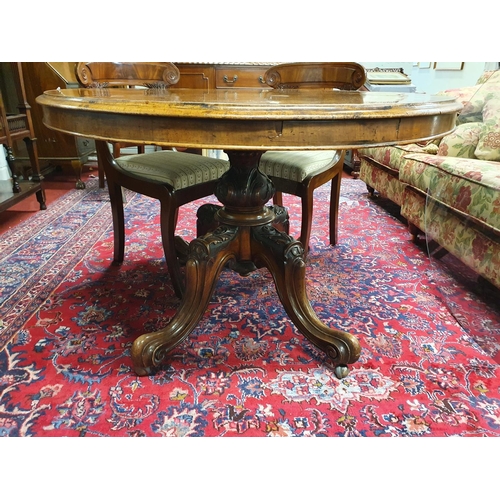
(301,172)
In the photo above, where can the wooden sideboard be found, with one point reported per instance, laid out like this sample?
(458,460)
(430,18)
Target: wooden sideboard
(222,75)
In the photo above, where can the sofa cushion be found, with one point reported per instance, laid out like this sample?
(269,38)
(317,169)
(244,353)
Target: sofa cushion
(492,76)
(488,147)
(390,156)
(461,142)
(472,104)
(467,185)
(474,97)
(484,77)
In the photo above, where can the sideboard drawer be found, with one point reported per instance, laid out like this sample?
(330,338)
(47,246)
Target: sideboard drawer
(240,76)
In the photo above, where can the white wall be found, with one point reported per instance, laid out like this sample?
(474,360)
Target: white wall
(429,80)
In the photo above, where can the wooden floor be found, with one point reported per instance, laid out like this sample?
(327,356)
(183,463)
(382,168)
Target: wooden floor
(56,184)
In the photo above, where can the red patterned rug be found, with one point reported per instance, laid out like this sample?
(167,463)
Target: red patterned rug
(429,333)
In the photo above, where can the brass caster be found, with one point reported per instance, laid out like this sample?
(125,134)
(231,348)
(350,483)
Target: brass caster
(80,184)
(341,371)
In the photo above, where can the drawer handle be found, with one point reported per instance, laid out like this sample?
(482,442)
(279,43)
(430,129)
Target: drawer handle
(227,80)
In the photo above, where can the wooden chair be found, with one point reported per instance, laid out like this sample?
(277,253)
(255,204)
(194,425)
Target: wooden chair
(172,177)
(301,172)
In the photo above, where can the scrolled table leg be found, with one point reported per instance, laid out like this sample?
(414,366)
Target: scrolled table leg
(283,256)
(207,257)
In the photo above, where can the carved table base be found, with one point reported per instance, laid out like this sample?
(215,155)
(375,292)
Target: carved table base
(246,239)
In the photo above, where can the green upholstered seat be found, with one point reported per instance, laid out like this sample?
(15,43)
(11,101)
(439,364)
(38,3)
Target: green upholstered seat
(299,173)
(296,165)
(179,170)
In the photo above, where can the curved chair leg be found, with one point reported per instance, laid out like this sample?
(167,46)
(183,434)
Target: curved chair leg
(101,176)
(168,222)
(104,158)
(306,223)
(334,208)
(116,198)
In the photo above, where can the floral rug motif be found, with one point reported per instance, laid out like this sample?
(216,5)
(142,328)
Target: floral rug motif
(430,334)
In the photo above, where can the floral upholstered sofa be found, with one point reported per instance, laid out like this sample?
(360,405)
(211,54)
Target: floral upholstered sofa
(449,189)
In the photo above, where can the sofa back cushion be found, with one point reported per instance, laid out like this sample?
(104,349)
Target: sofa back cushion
(472,105)
(488,147)
(475,97)
(492,76)
(462,142)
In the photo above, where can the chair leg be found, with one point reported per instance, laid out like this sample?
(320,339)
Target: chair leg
(168,222)
(306,224)
(334,208)
(100,173)
(116,198)
(116,150)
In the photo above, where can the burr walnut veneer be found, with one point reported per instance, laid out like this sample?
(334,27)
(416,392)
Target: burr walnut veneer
(246,123)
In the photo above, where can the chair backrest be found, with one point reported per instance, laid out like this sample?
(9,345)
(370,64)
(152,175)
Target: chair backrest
(339,75)
(117,74)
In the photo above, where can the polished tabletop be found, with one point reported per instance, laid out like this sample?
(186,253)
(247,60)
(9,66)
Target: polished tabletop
(245,123)
(250,118)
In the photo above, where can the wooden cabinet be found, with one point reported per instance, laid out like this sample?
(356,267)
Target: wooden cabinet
(55,148)
(222,75)
(16,127)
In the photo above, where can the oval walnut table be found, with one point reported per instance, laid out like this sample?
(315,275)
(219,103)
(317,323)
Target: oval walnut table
(245,124)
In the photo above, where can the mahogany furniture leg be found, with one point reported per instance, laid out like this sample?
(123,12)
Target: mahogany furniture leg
(284,257)
(77,167)
(207,257)
(245,239)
